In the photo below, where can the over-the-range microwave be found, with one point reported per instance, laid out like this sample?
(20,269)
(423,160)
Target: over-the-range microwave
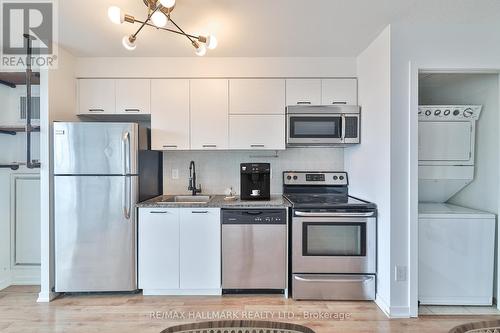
(322,125)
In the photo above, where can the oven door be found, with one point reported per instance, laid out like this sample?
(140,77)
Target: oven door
(330,242)
(314,129)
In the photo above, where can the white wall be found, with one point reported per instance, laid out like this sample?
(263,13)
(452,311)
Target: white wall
(216,171)
(480,89)
(57,102)
(368,164)
(215,67)
(425,46)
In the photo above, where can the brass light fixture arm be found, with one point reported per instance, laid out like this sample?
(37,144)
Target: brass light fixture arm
(144,23)
(195,44)
(166,29)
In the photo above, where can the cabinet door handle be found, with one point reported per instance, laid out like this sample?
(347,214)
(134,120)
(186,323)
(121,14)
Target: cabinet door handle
(169,146)
(209,146)
(96,110)
(303,102)
(132,110)
(257,146)
(339,102)
(158,212)
(199,212)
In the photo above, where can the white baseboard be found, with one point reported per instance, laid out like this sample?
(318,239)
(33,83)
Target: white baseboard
(45,297)
(466,300)
(392,311)
(382,304)
(25,275)
(182,292)
(4,283)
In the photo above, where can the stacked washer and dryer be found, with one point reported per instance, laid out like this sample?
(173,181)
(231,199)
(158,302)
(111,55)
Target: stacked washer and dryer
(456,244)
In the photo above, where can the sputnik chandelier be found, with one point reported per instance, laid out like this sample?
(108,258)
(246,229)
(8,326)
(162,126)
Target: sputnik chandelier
(158,15)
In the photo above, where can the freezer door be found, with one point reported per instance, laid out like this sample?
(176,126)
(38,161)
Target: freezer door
(95,148)
(95,228)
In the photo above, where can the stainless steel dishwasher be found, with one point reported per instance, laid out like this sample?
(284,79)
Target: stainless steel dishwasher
(254,250)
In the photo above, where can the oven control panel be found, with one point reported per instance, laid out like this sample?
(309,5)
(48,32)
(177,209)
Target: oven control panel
(314,178)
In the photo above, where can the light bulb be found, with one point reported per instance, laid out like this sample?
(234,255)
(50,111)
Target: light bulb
(201,50)
(211,42)
(115,15)
(167,3)
(159,19)
(128,44)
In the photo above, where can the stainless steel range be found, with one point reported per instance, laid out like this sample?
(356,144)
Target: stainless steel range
(333,238)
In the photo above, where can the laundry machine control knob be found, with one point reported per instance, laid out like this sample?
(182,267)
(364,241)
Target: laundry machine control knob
(428,112)
(447,112)
(437,112)
(456,112)
(468,113)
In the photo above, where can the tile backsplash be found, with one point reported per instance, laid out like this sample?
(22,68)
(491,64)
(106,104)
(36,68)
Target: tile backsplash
(218,170)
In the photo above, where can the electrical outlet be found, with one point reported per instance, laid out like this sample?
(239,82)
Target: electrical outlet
(175,173)
(400,273)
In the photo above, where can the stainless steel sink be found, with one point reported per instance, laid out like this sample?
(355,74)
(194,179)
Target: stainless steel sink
(202,199)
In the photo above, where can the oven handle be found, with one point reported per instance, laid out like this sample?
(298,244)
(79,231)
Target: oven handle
(333,214)
(336,279)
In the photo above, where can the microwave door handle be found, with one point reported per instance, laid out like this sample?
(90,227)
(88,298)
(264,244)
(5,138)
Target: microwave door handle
(342,128)
(333,214)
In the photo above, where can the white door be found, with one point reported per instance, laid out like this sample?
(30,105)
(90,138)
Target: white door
(257,96)
(339,91)
(96,96)
(200,257)
(257,132)
(170,114)
(303,91)
(27,219)
(133,96)
(209,114)
(158,248)
(444,141)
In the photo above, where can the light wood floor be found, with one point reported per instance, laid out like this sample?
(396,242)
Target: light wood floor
(19,312)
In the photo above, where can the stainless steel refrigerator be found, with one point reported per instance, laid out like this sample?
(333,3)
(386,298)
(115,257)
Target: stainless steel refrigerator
(101,170)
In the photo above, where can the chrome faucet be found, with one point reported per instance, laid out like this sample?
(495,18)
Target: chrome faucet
(192,179)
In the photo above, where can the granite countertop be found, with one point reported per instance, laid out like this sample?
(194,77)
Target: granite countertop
(217,201)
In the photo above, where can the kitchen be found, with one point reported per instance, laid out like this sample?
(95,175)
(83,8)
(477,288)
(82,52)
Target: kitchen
(224,112)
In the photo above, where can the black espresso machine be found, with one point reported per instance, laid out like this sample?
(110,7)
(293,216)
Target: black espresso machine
(255,181)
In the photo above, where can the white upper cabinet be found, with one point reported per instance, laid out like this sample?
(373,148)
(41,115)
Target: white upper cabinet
(200,249)
(257,132)
(303,91)
(209,113)
(339,91)
(257,96)
(170,114)
(96,96)
(133,96)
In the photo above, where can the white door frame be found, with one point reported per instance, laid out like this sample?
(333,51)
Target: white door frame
(414,70)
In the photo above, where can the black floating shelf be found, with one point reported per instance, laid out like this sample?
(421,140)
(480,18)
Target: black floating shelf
(15,130)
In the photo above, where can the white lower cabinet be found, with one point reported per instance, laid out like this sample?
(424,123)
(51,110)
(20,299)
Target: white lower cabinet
(179,251)
(158,252)
(200,256)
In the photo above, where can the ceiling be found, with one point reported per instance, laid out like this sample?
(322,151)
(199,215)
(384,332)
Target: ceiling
(258,28)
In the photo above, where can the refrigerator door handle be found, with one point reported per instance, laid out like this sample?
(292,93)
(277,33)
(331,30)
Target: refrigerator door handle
(126,153)
(127,197)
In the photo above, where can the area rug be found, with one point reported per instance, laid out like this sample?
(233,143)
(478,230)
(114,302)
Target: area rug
(238,326)
(478,327)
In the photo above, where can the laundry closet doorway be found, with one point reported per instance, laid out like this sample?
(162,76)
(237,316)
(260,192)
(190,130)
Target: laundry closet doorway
(454,197)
